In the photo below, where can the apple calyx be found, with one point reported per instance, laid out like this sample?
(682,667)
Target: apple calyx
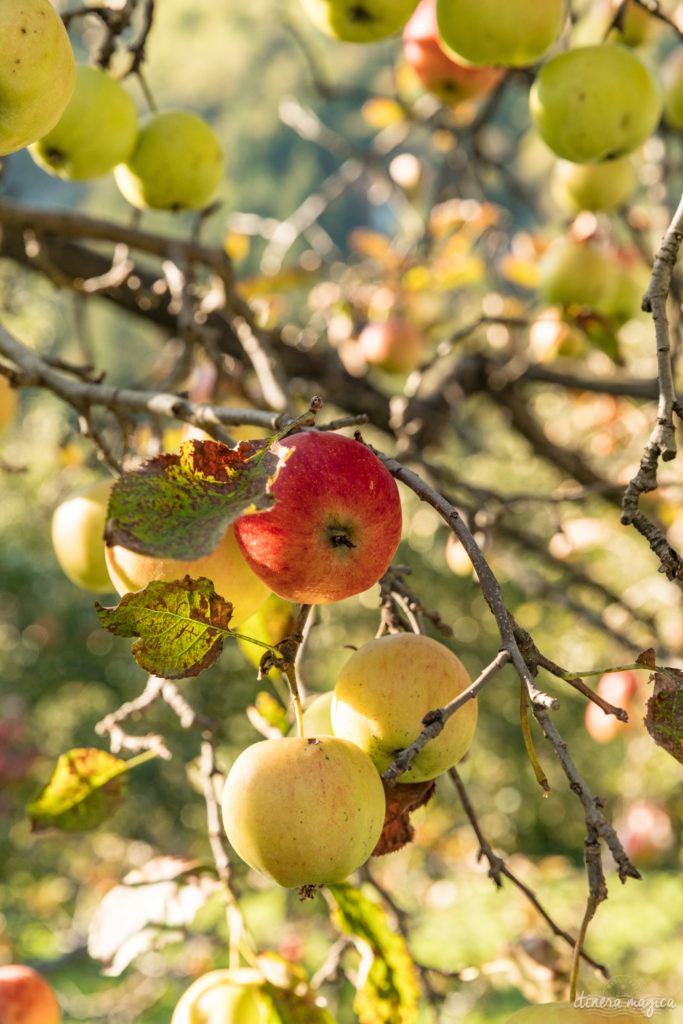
(360,15)
(339,537)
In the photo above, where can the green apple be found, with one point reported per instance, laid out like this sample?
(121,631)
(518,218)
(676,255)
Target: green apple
(37,71)
(96,132)
(604,186)
(570,1013)
(386,688)
(224,566)
(177,163)
(222,997)
(575,274)
(595,103)
(672,83)
(25,997)
(513,34)
(359,21)
(77,537)
(270,624)
(303,811)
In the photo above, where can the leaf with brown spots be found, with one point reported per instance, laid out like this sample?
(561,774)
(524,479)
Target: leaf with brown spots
(86,786)
(664,718)
(181,626)
(402,799)
(179,505)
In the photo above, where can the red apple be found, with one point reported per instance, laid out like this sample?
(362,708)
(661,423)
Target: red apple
(335,525)
(26,998)
(450,80)
(618,688)
(646,831)
(394,345)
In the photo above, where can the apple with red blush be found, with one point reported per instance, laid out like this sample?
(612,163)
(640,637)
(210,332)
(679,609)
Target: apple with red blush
(395,345)
(452,81)
(619,689)
(335,525)
(26,997)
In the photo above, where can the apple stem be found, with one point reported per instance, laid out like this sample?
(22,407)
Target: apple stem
(290,674)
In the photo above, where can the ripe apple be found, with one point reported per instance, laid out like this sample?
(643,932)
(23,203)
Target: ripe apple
(386,688)
(26,998)
(604,186)
(448,79)
(303,811)
(177,163)
(571,1013)
(646,831)
(513,34)
(394,345)
(77,536)
(224,566)
(359,21)
(37,72)
(96,132)
(221,997)
(335,525)
(595,103)
(8,402)
(672,84)
(270,624)
(618,688)
(573,273)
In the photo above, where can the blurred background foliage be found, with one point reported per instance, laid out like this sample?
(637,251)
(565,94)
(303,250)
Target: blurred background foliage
(60,672)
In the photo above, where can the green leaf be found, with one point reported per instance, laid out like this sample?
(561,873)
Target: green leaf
(179,505)
(664,718)
(390,989)
(181,625)
(86,786)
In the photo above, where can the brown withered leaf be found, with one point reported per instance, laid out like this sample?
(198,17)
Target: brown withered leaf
(402,799)
(647,658)
(664,718)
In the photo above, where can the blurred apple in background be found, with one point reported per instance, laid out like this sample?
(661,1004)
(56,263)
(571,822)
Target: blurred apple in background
(605,186)
(395,345)
(359,21)
(511,34)
(619,689)
(438,72)
(672,84)
(569,1013)
(96,132)
(595,103)
(26,998)
(177,163)
(270,624)
(646,831)
(222,997)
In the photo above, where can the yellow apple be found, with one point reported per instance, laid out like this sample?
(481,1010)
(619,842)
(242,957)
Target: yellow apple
(604,186)
(177,163)
(303,811)
(575,273)
(318,715)
(221,997)
(386,688)
(224,566)
(595,103)
(96,132)
(8,402)
(77,537)
(37,71)
(513,34)
(359,21)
